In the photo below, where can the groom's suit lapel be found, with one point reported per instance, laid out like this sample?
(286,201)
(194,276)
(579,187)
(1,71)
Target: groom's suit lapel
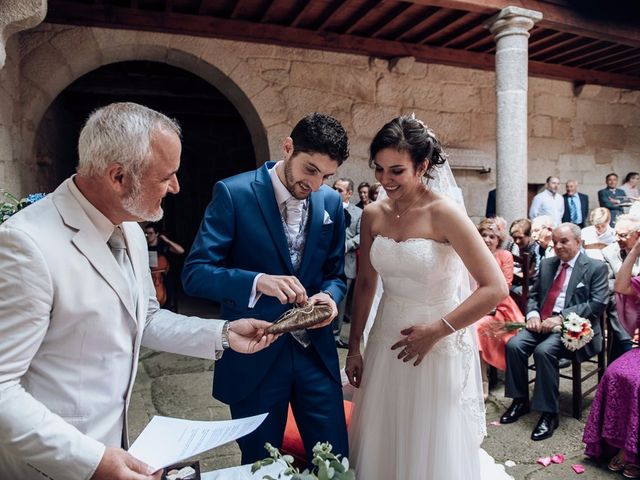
(265,196)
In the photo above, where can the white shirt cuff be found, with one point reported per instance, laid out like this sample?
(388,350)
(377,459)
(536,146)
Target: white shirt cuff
(255,295)
(218,338)
(532,314)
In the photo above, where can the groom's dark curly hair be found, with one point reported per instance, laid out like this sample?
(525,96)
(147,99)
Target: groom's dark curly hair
(320,133)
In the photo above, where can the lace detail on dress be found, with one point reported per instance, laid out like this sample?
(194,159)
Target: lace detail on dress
(614,419)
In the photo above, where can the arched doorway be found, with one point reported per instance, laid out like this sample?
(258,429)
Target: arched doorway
(216,140)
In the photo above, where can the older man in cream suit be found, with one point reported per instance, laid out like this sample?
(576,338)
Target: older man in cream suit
(78,302)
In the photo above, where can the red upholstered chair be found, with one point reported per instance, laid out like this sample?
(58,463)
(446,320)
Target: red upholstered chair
(292,442)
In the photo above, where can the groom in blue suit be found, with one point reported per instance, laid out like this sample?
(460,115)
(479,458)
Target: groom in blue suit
(271,238)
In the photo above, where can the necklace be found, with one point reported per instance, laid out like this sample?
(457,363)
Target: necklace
(399,214)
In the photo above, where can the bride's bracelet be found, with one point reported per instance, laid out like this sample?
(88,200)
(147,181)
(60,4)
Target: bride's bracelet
(354,355)
(446,322)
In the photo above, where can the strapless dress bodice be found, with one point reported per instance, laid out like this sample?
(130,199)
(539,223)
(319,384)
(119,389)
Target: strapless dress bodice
(417,270)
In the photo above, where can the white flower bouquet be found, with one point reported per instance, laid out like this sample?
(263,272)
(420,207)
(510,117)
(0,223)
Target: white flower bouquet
(575,332)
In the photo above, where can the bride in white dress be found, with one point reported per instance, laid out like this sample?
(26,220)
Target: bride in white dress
(418,409)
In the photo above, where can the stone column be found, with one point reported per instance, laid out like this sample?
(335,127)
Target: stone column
(511,30)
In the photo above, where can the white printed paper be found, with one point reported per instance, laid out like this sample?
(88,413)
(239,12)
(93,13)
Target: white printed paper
(166,441)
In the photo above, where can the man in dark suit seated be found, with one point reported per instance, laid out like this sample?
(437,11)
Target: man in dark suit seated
(569,282)
(576,205)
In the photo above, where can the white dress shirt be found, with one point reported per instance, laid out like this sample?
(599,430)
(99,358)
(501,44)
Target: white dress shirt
(559,305)
(547,203)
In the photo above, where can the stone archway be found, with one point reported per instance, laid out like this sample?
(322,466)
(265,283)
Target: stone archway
(57,56)
(216,142)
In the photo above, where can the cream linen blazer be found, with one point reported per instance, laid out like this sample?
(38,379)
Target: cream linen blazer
(70,337)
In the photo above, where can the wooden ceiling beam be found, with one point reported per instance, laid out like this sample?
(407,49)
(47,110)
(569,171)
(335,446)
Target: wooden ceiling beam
(432,16)
(358,17)
(266,16)
(68,12)
(568,55)
(586,51)
(453,21)
(562,72)
(612,64)
(465,31)
(327,21)
(295,21)
(549,37)
(614,53)
(556,17)
(394,12)
(559,45)
(236,9)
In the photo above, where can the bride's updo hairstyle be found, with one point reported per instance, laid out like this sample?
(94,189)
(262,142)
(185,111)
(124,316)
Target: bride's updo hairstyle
(408,134)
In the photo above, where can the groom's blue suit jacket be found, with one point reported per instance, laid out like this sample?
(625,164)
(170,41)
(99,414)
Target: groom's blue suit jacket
(242,235)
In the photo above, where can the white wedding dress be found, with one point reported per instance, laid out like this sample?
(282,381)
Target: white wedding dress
(425,422)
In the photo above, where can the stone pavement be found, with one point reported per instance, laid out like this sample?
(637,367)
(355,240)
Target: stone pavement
(178,386)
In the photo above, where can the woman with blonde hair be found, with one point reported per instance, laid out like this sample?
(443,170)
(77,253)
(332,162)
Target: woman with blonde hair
(599,234)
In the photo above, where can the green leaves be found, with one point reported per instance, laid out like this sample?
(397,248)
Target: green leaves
(327,466)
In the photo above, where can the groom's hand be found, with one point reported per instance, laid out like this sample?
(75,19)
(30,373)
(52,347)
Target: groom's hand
(285,288)
(326,299)
(247,335)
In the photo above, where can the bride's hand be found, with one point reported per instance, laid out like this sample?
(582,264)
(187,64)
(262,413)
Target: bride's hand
(353,369)
(418,341)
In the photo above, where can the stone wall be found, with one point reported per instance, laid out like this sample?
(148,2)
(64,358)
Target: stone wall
(574,136)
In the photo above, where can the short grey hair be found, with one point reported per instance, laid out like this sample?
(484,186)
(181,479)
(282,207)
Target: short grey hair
(542,221)
(634,220)
(575,229)
(349,182)
(120,133)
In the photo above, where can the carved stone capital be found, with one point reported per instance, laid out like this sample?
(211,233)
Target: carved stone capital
(17,15)
(513,21)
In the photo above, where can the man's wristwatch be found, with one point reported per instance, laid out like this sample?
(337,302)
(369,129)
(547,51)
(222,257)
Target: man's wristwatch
(225,335)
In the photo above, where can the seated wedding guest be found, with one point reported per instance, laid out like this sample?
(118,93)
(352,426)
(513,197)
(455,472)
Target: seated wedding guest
(627,234)
(569,282)
(363,194)
(160,249)
(77,303)
(507,242)
(373,191)
(613,426)
(630,187)
(491,341)
(599,234)
(541,228)
(520,232)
